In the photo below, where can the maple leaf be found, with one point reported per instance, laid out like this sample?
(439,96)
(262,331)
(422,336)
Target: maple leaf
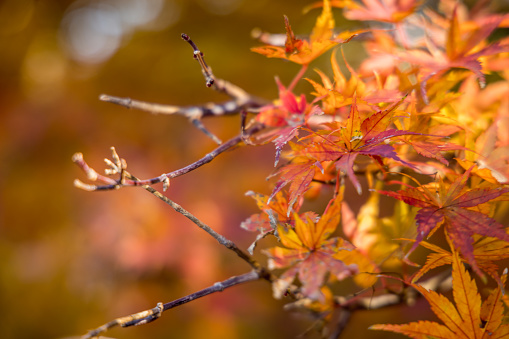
(274,212)
(460,51)
(418,120)
(433,149)
(489,139)
(298,174)
(303,51)
(486,250)
(339,92)
(451,205)
(309,253)
(289,114)
(342,146)
(392,11)
(470,318)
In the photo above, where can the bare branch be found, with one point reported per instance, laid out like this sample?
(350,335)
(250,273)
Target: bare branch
(241,100)
(221,85)
(190,112)
(109,183)
(220,238)
(198,55)
(150,315)
(119,166)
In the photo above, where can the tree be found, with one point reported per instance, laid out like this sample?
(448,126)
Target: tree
(405,121)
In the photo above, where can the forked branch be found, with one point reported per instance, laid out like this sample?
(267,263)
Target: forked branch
(119,167)
(240,99)
(108,183)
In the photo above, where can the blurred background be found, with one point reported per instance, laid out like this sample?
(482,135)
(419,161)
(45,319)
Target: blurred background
(72,260)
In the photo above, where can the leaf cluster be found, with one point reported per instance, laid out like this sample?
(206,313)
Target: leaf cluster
(408,148)
(420,122)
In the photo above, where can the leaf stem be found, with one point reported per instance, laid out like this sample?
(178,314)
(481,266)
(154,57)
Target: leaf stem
(297,77)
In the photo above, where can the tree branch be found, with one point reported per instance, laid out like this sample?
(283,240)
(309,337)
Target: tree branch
(408,296)
(150,315)
(119,166)
(220,238)
(110,183)
(241,100)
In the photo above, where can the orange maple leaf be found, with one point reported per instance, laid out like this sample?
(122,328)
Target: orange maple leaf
(303,51)
(486,250)
(452,205)
(275,211)
(470,318)
(310,253)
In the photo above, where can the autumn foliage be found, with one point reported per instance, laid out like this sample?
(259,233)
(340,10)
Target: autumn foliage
(420,124)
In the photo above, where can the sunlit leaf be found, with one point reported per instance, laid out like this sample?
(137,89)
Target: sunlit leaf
(450,205)
(304,51)
(466,318)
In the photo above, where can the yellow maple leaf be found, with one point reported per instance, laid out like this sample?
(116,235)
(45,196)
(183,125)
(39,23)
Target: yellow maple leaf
(309,253)
(469,318)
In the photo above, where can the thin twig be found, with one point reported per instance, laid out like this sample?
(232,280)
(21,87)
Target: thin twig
(198,55)
(220,85)
(119,166)
(110,183)
(220,238)
(150,315)
(241,100)
(191,112)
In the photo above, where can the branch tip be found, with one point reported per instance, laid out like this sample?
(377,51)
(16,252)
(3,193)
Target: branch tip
(104,97)
(86,187)
(77,157)
(198,55)
(126,102)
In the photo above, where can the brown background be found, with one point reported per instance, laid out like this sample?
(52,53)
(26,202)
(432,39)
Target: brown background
(71,260)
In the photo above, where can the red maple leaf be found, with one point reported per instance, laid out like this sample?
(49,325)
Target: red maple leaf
(347,140)
(451,205)
(288,115)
